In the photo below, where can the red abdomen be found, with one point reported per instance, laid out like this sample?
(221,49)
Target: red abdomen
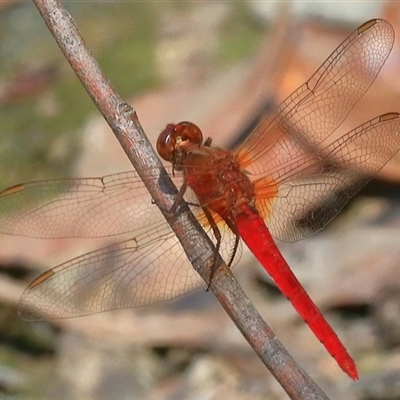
(255,234)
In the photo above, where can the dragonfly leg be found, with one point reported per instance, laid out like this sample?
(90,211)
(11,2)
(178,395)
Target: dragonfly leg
(218,238)
(178,199)
(208,142)
(234,250)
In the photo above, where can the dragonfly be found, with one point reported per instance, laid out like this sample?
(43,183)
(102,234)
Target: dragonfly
(286,181)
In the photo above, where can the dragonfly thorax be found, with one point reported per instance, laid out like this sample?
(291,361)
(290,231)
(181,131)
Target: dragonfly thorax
(218,180)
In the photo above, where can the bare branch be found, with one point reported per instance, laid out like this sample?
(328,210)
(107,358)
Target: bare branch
(126,127)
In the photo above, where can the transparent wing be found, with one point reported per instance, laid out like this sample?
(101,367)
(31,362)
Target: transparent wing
(312,188)
(88,207)
(310,115)
(146,269)
(149,268)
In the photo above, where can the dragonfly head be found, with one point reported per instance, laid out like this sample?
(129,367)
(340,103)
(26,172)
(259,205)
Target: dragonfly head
(176,140)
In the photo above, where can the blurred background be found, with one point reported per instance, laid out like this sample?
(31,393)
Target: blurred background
(220,65)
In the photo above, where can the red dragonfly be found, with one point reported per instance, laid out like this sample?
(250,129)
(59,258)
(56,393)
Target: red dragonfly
(288,180)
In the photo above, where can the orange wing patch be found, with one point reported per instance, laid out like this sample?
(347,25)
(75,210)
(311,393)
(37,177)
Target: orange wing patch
(266,190)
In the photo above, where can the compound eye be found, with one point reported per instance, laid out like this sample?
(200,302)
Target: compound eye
(166,143)
(190,132)
(177,136)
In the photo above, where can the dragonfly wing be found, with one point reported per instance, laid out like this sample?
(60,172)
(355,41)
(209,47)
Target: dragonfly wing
(315,110)
(149,268)
(323,182)
(88,207)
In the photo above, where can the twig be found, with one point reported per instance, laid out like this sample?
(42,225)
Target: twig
(125,125)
